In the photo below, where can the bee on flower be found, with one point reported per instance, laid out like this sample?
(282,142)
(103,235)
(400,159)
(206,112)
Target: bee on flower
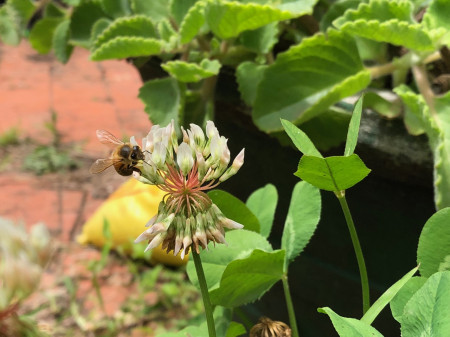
(186,216)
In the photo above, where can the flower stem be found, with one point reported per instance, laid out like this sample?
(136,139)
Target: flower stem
(357,247)
(205,294)
(290,306)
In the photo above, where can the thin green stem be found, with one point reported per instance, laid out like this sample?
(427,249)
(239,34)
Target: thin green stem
(357,247)
(205,294)
(290,306)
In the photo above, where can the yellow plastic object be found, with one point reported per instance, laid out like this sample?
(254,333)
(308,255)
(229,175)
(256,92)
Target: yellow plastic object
(128,210)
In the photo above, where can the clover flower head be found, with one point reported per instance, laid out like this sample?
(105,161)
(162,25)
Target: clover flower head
(186,217)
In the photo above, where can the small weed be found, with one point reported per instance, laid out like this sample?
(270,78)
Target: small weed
(48,159)
(9,137)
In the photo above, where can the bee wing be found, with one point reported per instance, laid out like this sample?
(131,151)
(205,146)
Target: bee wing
(107,138)
(102,164)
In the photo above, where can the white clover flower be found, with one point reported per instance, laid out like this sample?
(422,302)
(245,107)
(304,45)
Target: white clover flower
(186,216)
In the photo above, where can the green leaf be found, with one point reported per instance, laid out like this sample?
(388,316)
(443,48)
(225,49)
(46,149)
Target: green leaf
(157,10)
(235,329)
(305,80)
(98,28)
(336,10)
(386,21)
(353,128)
(434,243)
(192,22)
(427,312)
(332,173)
(41,35)
(263,203)
(437,127)
(248,76)
(83,18)
(241,244)
(261,40)
(229,19)
(60,43)
(123,47)
(179,8)
(163,100)
(9,25)
(436,20)
(235,209)
(387,296)
(350,327)
(53,10)
(255,275)
(389,108)
(72,2)
(192,72)
(301,221)
(300,139)
(132,26)
(24,9)
(116,8)
(404,295)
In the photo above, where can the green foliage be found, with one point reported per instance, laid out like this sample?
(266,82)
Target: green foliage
(10,137)
(60,42)
(386,298)
(47,159)
(353,129)
(249,75)
(263,203)
(254,274)
(298,87)
(332,173)
(82,20)
(300,139)
(404,295)
(192,72)
(427,312)
(41,36)
(235,209)
(301,220)
(350,327)
(434,244)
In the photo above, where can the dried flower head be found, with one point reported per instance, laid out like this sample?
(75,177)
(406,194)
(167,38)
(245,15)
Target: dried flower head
(186,215)
(268,328)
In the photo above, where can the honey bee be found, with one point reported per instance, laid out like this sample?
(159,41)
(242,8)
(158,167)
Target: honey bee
(124,158)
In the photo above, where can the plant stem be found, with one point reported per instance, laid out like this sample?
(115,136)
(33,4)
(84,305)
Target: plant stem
(205,294)
(290,306)
(357,247)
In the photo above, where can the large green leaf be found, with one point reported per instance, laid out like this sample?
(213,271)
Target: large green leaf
(248,76)
(235,330)
(301,221)
(241,244)
(41,36)
(350,327)
(246,280)
(433,252)
(123,46)
(387,296)
(300,139)
(229,19)
(332,173)
(427,312)
(263,203)
(436,124)
(386,21)
(179,8)
(157,10)
(192,72)
(235,209)
(353,129)
(305,80)
(192,22)
(404,295)
(163,99)
(132,26)
(24,9)
(61,45)
(83,18)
